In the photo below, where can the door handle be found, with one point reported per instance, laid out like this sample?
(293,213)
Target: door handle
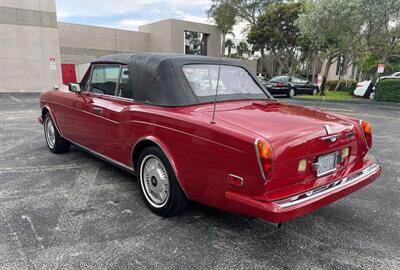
(97,109)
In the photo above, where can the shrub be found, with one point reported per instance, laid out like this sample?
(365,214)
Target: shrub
(346,86)
(388,90)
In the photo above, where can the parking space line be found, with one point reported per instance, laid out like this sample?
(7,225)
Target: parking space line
(40,168)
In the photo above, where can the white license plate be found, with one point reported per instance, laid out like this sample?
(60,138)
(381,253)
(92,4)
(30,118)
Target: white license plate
(326,164)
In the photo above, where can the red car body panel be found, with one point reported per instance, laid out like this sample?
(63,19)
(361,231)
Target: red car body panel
(204,154)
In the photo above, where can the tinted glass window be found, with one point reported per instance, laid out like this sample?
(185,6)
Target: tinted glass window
(296,80)
(281,79)
(234,81)
(125,86)
(302,79)
(104,79)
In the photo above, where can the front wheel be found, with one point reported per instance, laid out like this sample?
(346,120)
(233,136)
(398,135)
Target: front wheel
(371,96)
(314,92)
(55,142)
(291,93)
(160,187)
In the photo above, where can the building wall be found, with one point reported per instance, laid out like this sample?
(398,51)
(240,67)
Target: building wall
(160,35)
(28,40)
(168,36)
(33,44)
(349,74)
(82,43)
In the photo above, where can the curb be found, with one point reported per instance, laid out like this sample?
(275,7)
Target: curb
(352,101)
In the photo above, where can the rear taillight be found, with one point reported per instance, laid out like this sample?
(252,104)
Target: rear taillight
(264,156)
(367,132)
(280,84)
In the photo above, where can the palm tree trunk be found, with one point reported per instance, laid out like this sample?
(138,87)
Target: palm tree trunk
(223,44)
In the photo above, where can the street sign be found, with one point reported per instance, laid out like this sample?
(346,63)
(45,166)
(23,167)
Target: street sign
(381,68)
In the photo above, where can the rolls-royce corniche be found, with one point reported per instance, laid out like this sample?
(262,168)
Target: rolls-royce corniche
(205,129)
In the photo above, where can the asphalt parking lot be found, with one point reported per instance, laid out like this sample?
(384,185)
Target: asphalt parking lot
(73,211)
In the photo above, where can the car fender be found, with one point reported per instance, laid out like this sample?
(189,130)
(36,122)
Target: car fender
(167,152)
(53,118)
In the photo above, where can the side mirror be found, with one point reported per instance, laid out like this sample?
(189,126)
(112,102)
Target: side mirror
(74,87)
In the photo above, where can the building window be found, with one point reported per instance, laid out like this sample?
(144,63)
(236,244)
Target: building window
(195,43)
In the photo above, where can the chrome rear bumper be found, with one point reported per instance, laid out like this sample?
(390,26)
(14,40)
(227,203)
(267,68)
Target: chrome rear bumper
(325,189)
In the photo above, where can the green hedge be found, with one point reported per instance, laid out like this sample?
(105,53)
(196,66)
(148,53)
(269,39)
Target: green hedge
(388,90)
(345,86)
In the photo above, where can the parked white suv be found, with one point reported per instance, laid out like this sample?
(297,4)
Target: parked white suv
(362,87)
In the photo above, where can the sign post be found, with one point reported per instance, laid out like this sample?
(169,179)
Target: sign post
(381,68)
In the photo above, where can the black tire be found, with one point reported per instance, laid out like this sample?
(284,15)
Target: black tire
(59,145)
(176,201)
(291,93)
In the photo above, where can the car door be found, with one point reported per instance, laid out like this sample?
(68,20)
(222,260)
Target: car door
(308,86)
(73,117)
(111,96)
(297,84)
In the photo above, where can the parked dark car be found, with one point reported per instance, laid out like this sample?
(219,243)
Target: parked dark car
(291,85)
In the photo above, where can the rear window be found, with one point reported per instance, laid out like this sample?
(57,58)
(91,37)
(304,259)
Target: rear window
(281,79)
(234,82)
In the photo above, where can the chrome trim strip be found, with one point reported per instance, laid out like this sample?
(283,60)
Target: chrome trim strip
(105,158)
(259,160)
(328,129)
(331,138)
(322,190)
(241,179)
(110,96)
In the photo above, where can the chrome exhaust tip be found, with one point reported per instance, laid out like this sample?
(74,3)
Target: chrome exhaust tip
(276,225)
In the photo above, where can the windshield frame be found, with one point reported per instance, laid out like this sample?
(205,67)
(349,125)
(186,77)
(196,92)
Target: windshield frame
(203,99)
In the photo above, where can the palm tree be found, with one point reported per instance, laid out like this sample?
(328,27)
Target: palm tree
(242,48)
(229,44)
(224,16)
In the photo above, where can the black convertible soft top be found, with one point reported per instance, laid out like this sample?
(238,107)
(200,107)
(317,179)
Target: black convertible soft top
(158,78)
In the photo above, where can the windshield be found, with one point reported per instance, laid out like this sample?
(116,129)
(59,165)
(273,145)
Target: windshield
(235,83)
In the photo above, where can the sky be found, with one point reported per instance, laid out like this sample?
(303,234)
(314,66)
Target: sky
(129,14)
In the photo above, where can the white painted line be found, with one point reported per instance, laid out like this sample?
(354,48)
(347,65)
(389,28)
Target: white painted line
(40,168)
(15,99)
(38,238)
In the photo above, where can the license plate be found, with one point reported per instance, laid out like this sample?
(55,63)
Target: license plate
(326,164)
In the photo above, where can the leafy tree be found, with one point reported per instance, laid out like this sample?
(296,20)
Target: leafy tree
(245,10)
(229,44)
(242,48)
(277,35)
(380,30)
(224,16)
(359,29)
(333,28)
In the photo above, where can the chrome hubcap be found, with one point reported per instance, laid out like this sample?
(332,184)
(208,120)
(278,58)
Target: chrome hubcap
(155,182)
(50,133)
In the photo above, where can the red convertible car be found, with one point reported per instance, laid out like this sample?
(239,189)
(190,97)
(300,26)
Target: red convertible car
(204,129)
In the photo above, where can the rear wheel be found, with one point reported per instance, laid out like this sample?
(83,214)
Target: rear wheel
(160,187)
(291,93)
(55,142)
